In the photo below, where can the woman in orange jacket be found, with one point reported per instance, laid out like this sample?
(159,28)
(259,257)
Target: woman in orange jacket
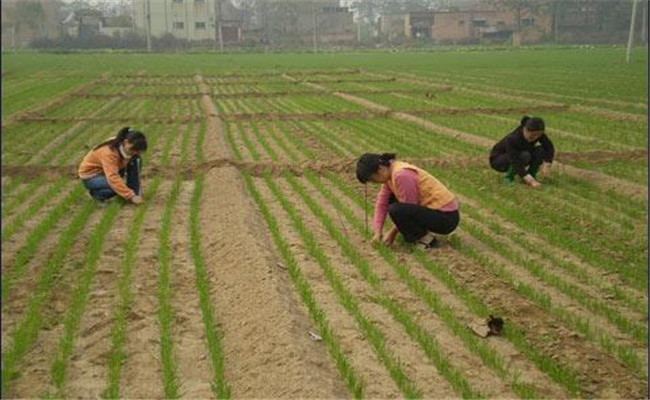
(419,205)
(113,167)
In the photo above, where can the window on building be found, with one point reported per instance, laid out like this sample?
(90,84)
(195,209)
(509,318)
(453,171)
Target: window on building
(527,21)
(334,9)
(461,23)
(199,25)
(177,1)
(178,25)
(199,1)
(501,23)
(479,23)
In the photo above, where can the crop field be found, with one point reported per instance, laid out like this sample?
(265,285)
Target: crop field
(248,271)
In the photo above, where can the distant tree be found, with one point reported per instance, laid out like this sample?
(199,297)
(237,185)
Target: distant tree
(31,14)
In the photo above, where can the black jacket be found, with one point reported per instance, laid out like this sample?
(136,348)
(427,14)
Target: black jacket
(515,143)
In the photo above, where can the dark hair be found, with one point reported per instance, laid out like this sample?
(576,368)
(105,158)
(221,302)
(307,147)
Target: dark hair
(369,163)
(532,123)
(136,138)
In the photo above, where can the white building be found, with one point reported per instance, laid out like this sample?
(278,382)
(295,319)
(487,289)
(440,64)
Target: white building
(189,19)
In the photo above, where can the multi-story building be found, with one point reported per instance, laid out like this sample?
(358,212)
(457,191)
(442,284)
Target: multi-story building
(194,20)
(466,26)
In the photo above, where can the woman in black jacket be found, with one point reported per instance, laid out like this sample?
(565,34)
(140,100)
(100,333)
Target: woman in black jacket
(519,150)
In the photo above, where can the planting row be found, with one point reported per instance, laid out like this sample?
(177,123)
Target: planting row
(603,341)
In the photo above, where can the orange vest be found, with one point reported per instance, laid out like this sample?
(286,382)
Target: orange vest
(433,194)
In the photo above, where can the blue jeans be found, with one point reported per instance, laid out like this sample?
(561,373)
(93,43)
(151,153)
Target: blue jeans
(99,188)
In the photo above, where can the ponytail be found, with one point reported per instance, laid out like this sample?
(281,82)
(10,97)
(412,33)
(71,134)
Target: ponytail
(385,158)
(136,138)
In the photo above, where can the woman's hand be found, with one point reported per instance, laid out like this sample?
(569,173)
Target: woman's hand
(376,238)
(530,181)
(546,169)
(137,199)
(390,238)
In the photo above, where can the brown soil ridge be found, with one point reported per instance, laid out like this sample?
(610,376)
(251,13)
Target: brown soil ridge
(341,165)
(255,82)
(237,75)
(381,113)
(99,120)
(136,96)
(240,95)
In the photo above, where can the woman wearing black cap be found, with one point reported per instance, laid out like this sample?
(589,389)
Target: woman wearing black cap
(419,205)
(519,150)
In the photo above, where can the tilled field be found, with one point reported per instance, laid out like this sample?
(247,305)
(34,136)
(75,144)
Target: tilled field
(248,272)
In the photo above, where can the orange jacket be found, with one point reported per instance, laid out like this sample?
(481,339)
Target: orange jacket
(107,161)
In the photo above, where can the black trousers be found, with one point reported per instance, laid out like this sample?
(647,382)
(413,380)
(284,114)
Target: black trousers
(414,221)
(99,188)
(501,162)
(131,174)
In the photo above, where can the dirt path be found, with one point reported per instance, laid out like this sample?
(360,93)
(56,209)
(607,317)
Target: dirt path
(268,353)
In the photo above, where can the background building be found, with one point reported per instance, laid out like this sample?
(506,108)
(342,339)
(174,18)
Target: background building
(194,20)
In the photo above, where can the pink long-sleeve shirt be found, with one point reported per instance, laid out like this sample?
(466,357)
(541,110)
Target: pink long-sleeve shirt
(406,182)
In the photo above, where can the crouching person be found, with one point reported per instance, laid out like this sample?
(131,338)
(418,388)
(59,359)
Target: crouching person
(113,167)
(520,149)
(418,204)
